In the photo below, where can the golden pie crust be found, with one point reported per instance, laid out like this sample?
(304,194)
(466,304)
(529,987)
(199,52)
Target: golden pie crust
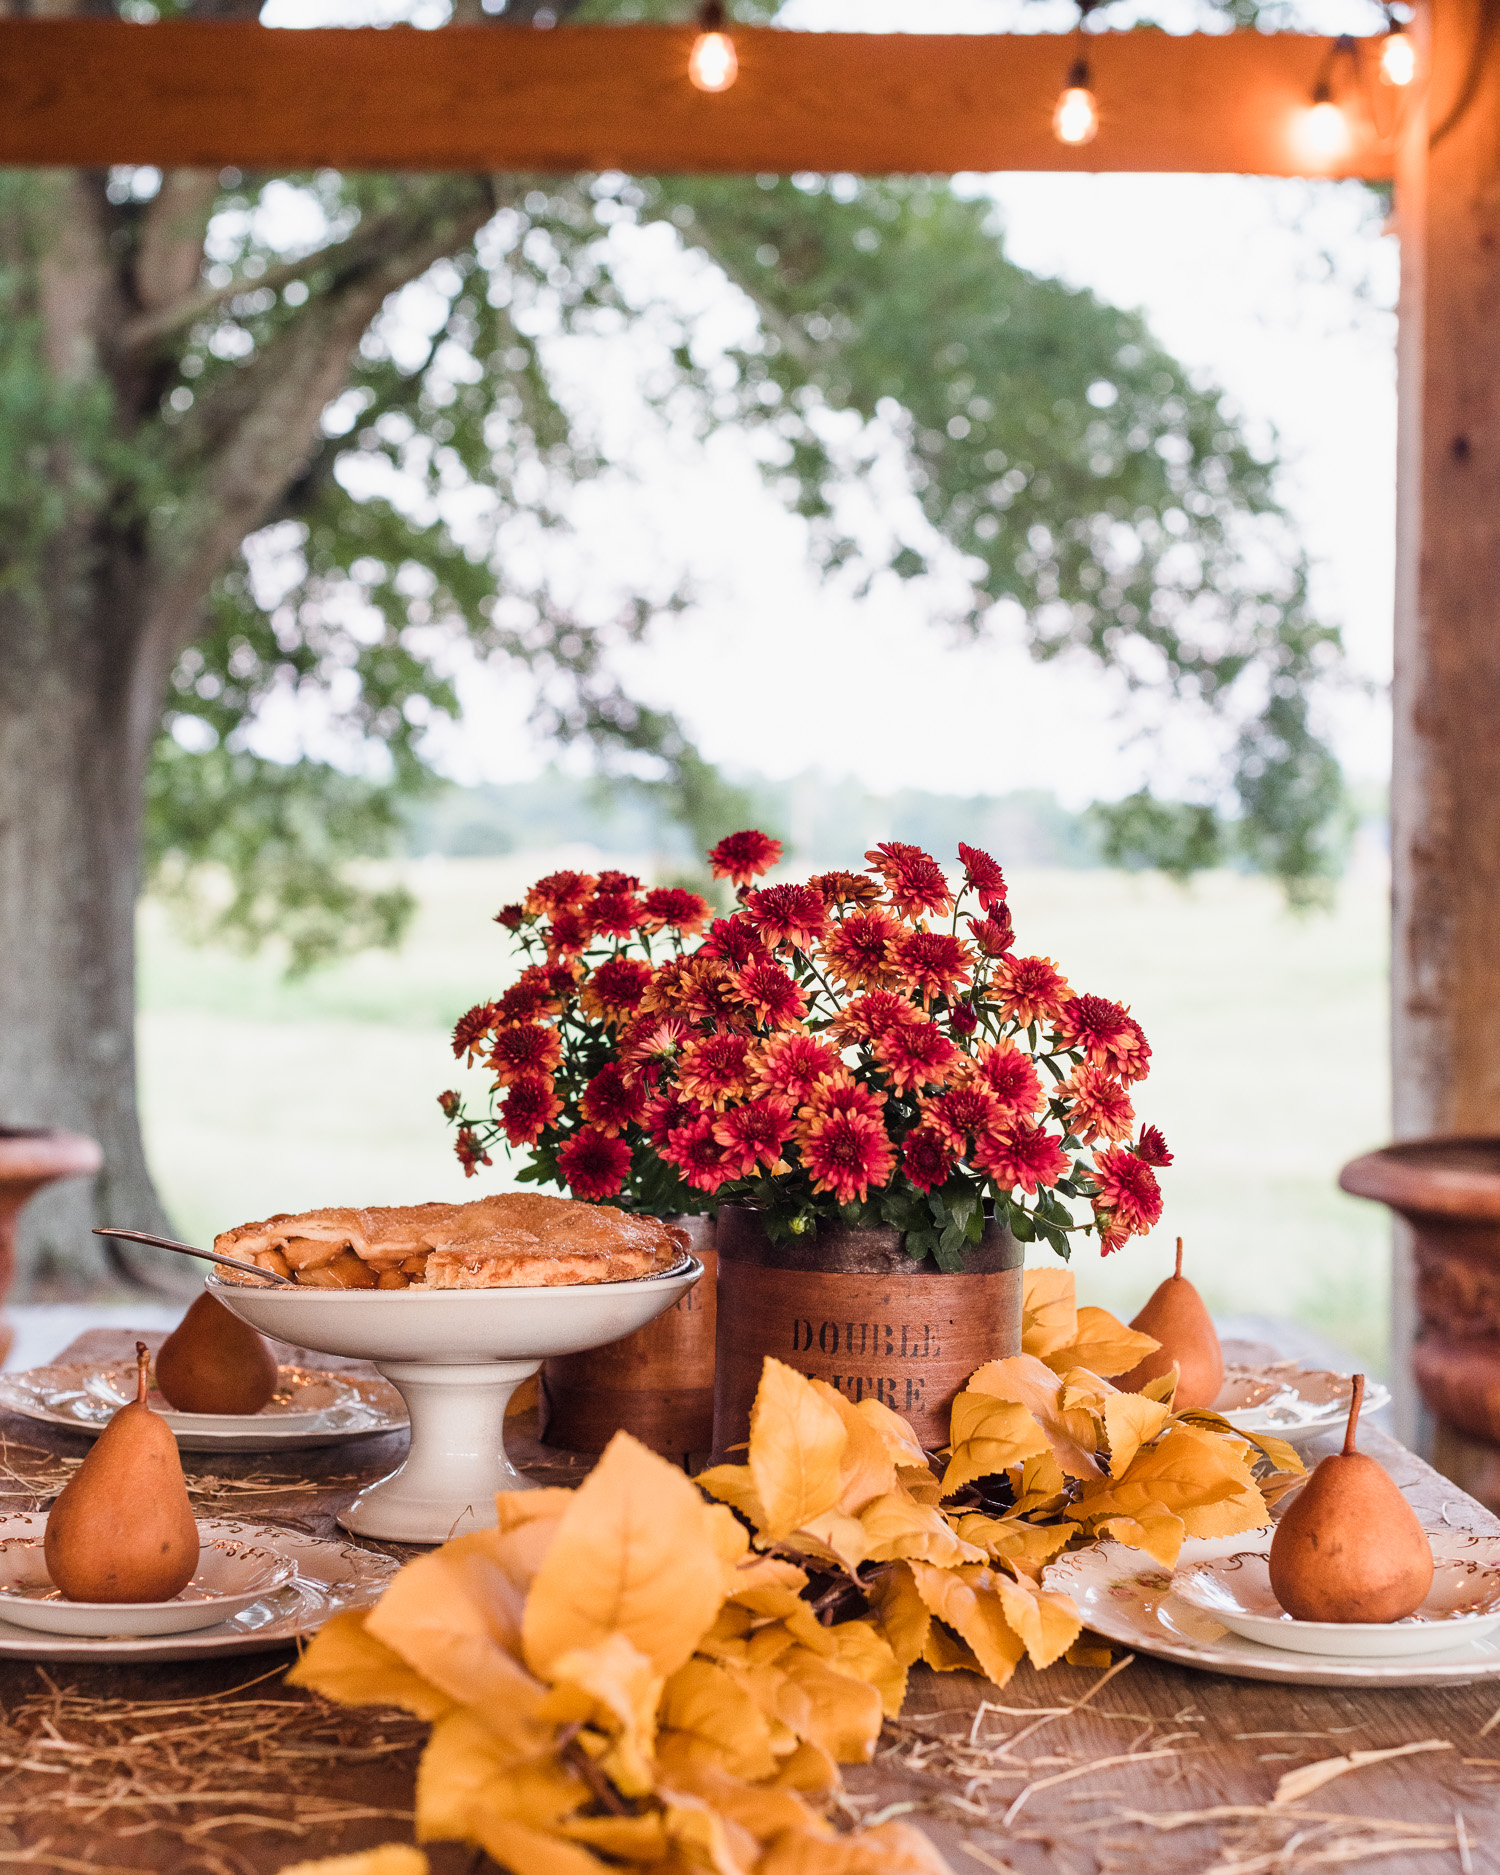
(514,1239)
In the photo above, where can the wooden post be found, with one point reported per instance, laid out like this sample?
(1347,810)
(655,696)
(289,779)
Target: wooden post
(1445,791)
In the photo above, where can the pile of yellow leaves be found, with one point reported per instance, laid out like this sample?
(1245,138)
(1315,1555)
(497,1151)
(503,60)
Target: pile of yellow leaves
(618,1677)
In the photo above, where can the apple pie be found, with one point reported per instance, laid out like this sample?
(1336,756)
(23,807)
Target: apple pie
(510,1240)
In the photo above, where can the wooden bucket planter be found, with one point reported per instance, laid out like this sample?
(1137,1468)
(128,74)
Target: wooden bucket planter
(657,1384)
(31,1157)
(1448,1191)
(852,1308)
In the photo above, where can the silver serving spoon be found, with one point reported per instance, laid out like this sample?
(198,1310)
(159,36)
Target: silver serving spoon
(187,1250)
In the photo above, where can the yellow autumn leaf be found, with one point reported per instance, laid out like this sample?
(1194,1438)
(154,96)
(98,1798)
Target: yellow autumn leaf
(1027,1545)
(1191,1476)
(1049,1317)
(639,1839)
(635,1555)
(1164,1387)
(761,1810)
(809,1770)
(919,1484)
(1130,1422)
(1029,1383)
(391,1858)
(840,1714)
(523,1850)
(897,1525)
(1089,1651)
(705,1703)
(989,1435)
(612,1688)
(797,1441)
(1157,1532)
(888,1849)
(468,1779)
(1283,1456)
(546,1504)
(867,1468)
(1048,1623)
(1102,1344)
(348,1665)
(832,1537)
(896,1434)
(900,1612)
(865,1655)
(944,1652)
(967,1601)
(1041,1486)
(734,1487)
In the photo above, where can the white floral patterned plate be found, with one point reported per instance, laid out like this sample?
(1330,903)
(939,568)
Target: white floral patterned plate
(1294,1403)
(326,1578)
(1123,1595)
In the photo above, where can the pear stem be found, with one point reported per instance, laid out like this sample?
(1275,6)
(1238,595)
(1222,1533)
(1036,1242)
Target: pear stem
(142,1368)
(1179,1259)
(1356,1402)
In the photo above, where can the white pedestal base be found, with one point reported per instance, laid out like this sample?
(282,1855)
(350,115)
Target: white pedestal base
(457,1459)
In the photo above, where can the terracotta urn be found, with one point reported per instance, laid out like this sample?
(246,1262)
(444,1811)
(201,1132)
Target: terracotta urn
(849,1306)
(657,1384)
(31,1157)
(1448,1191)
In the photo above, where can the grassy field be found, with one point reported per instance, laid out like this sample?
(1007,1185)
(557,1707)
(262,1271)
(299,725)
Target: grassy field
(1269,1034)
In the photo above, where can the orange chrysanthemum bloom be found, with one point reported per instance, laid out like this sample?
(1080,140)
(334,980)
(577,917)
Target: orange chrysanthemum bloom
(754,1134)
(651,1044)
(698,987)
(1010,1075)
(962,1114)
(871,1016)
(917,884)
(744,856)
(934,963)
(847,1153)
(559,891)
(1101,1107)
(1020,1155)
(471,1029)
(771,993)
(994,935)
(861,952)
(795,1065)
(1129,1195)
(838,889)
(713,1071)
(841,1094)
(1029,989)
(615,989)
(528,1049)
(1106,1034)
(914,1054)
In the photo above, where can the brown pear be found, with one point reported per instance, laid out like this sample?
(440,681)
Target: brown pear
(123,1530)
(212,1362)
(1175,1316)
(1349,1546)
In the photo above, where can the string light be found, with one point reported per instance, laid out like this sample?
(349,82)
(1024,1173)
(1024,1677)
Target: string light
(1398,56)
(713,64)
(1076,118)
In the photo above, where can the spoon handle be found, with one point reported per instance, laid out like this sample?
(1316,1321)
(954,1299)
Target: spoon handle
(187,1250)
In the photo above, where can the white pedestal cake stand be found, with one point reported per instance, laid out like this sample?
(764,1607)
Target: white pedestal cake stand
(456,1356)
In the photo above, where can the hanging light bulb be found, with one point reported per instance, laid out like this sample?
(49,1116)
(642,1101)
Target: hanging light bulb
(712,64)
(1076,119)
(1324,130)
(1398,56)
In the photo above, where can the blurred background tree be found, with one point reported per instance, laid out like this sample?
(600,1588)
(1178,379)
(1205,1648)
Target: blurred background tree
(235,480)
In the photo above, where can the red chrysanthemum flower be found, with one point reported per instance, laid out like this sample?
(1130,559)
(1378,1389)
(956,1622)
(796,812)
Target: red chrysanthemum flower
(451,1103)
(611,882)
(672,906)
(733,941)
(533,994)
(702,1161)
(530,1105)
(795,1065)
(842,1094)
(1101,1107)
(616,988)
(771,993)
(1010,1075)
(927,1158)
(914,1054)
(1151,1147)
(861,952)
(1028,988)
(996,934)
(472,1027)
(838,889)
(559,891)
(1130,1053)
(594,1164)
(1020,1154)
(1112,1233)
(698,987)
(1128,1191)
(614,914)
(847,1153)
(528,1049)
(712,1070)
(915,881)
(787,914)
(1106,1034)
(665,1112)
(510,916)
(983,875)
(651,1044)
(934,963)
(962,1019)
(744,856)
(871,1016)
(568,934)
(611,1102)
(470,1154)
(962,1114)
(754,1134)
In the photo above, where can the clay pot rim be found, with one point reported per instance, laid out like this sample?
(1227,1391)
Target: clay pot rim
(1411,1178)
(45,1153)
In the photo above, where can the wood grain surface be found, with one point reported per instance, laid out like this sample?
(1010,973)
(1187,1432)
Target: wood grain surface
(1152,1769)
(588,98)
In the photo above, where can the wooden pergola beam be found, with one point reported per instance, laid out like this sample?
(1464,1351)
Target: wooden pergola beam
(96,92)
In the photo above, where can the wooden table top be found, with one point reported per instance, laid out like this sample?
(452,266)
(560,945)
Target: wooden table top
(1154,1768)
